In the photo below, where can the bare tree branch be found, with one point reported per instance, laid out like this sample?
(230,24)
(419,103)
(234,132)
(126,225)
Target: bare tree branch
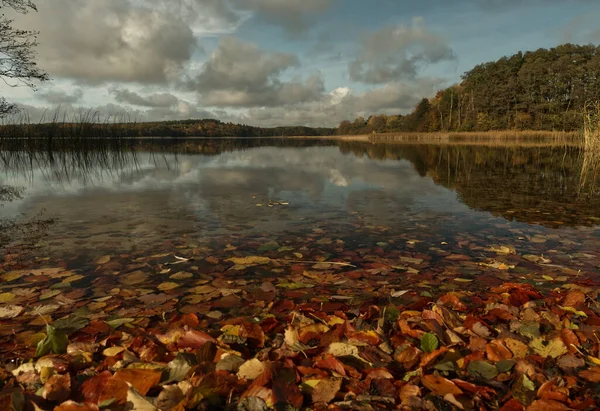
(17,55)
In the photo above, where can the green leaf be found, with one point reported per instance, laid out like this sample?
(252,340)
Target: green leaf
(391,313)
(56,341)
(180,366)
(482,369)
(528,384)
(429,342)
(116,323)
(505,365)
(71,323)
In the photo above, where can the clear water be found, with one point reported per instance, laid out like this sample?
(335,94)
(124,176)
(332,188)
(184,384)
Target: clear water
(382,202)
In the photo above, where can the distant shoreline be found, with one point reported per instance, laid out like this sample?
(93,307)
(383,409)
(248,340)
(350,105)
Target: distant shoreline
(574,138)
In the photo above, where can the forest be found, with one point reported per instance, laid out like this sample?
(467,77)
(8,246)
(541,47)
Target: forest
(546,89)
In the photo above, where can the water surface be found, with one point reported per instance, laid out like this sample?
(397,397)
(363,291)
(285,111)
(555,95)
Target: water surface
(426,201)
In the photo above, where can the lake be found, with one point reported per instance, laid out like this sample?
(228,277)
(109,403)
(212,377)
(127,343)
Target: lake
(221,265)
(467,213)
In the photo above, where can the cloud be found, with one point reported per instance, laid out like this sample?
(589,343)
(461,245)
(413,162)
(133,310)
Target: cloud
(293,15)
(153,100)
(97,41)
(343,104)
(57,96)
(239,74)
(398,52)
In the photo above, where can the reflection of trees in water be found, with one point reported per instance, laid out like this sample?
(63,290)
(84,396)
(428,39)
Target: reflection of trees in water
(589,179)
(22,232)
(538,184)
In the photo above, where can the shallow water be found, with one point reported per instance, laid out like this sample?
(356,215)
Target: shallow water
(428,202)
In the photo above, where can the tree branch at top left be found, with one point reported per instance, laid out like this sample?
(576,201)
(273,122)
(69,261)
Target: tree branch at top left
(17,53)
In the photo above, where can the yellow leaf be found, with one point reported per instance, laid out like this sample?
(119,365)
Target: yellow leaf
(13,275)
(573,310)
(547,278)
(203,289)
(136,277)
(6,297)
(166,286)
(554,348)
(298,256)
(113,351)
(49,294)
(73,278)
(103,260)
(251,260)
(594,360)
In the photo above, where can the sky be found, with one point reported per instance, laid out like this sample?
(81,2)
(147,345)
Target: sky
(276,62)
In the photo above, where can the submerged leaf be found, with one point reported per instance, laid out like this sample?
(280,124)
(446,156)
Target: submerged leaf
(429,342)
(56,341)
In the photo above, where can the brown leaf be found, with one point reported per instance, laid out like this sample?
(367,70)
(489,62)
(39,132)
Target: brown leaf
(57,388)
(408,391)
(547,405)
(575,299)
(75,406)
(496,351)
(518,348)
(512,405)
(170,398)
(440,385)
(253,332)
(329,362)
(141,379)
(570,339)
(592,374)
(194,339)
(104,387)
(287,393)
(326,390)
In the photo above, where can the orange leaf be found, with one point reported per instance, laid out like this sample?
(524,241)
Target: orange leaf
(432,356)
(569,338)
(74,406)
(496,351)
(329,362)
(194,339)
(142,380)
(440,385)
(547,405)
(592,375)
(104,387)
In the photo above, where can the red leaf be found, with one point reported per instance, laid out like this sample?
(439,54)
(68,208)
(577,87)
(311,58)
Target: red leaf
(252,332)
(194,339)
(329,362)
(74,406)
(287,393)
(104,387)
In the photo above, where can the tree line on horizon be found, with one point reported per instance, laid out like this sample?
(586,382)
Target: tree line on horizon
(546,89)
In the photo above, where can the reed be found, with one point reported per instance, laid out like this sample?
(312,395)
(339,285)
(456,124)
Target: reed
(491,138)
(591,126)
(590,163)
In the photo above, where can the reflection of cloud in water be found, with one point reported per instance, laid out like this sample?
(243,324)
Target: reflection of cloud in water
(315,181)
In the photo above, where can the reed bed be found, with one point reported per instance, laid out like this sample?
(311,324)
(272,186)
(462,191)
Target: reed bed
(590,169)
(488,138)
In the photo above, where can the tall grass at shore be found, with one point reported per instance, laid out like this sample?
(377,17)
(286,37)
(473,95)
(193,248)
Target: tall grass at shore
(58,132)
(590,169)
(501,138)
